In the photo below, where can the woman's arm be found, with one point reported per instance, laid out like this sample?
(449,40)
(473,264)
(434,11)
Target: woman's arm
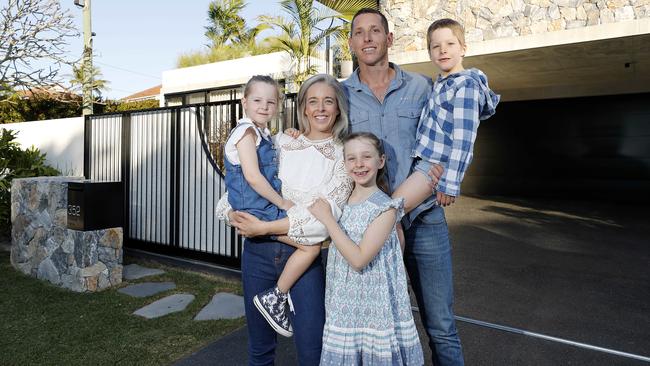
(246,149)
(249,225)
(358,256)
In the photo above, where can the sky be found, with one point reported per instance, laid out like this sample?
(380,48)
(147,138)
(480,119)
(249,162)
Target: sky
(136,40)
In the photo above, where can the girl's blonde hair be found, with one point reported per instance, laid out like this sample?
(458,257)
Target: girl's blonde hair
(340,128)
(382,182)
(262,79)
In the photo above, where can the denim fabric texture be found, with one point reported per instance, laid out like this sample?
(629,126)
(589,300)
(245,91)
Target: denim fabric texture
(428,261)
(394,121)
(242,197)
(262,263)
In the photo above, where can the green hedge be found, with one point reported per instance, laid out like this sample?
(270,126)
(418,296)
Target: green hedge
(114,106)
(17,109)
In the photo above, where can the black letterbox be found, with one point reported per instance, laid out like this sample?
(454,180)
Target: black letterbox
(95,205)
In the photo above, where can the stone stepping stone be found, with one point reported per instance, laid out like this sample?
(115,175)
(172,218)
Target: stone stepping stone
(222,306)
(166,305)
(146,288)
(135,271)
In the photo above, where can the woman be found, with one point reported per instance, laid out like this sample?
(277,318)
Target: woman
(310,167)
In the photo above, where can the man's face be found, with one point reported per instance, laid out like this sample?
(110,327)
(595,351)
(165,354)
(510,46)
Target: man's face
(369,40)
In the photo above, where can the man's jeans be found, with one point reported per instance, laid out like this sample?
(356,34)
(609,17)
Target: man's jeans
(262,262)
(428,261)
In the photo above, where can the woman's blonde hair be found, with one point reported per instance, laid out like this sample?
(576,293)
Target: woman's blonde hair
(340,128)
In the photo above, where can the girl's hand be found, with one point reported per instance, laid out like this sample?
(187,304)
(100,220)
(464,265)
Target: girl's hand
(435,172)
(321,210)
(292,132)
(247,224)
(445,200)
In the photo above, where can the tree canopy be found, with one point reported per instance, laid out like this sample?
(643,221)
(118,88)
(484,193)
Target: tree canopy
(33,37)
(228,34)
(300,35)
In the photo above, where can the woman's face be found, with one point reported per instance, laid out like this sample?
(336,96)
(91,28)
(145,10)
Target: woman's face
(321,110)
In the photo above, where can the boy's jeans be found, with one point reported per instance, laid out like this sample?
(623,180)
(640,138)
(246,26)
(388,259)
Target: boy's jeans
(262,263)
(428,261)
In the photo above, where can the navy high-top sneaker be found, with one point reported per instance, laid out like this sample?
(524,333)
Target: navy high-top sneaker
(272,303)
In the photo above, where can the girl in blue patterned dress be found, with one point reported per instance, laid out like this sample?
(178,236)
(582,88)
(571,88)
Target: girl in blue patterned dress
(368,318)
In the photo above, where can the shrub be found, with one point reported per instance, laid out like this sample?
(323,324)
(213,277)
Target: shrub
(38,107)
(17,163)
(115,106)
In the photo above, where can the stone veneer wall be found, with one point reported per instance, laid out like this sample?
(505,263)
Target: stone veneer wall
(485,20)
(42,246)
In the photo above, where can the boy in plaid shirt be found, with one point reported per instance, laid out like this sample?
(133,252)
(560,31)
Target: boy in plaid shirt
(458,101)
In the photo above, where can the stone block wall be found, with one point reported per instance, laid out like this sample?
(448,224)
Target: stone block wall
(42,246)
(485,20)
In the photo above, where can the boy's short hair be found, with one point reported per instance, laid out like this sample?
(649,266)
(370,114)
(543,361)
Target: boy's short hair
(361,11)
(456,28)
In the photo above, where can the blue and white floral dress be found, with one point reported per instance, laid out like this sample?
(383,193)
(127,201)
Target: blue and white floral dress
(368,318)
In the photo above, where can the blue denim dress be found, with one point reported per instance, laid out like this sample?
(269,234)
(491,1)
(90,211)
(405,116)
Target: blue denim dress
(242,197)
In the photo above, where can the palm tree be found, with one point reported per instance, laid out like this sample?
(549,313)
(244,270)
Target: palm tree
(229,35)
(299,35)
(98,85)
(225,23)
(347,8)
(247,40)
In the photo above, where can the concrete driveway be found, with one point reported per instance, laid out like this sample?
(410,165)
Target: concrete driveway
(578,271)
(572,270)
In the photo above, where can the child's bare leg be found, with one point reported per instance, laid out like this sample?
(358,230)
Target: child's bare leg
(272,302)
(414,190)
(296,265)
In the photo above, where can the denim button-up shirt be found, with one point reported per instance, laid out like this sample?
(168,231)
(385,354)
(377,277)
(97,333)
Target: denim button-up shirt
(395,121)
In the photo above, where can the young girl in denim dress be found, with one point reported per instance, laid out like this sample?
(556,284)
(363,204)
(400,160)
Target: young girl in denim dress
(252,182)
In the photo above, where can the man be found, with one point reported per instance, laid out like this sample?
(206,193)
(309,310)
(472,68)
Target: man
(387,101)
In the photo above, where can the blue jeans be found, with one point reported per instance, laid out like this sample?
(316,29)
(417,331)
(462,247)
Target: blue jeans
(428,261)
(262,262)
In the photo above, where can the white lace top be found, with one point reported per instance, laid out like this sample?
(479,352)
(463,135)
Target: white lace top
(308,170)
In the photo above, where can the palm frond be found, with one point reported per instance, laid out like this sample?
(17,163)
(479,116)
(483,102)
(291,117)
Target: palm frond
(347,8)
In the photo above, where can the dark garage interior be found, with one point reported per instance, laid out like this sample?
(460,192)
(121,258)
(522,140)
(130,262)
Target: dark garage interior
(593,148)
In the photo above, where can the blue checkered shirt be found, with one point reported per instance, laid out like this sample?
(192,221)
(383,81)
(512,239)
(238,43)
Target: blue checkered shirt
(449,123)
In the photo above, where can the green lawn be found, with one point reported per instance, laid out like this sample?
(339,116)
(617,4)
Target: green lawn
(42,324)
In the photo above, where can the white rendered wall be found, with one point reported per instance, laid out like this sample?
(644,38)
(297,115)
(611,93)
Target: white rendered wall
(228,73)
(61,139)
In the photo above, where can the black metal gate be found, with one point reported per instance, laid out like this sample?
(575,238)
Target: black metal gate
(170,160)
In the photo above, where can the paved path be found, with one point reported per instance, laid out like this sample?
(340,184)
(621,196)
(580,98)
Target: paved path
(222,306)
(136,271)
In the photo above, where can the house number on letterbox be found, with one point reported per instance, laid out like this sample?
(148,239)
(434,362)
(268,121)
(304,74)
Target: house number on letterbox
(74,210)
